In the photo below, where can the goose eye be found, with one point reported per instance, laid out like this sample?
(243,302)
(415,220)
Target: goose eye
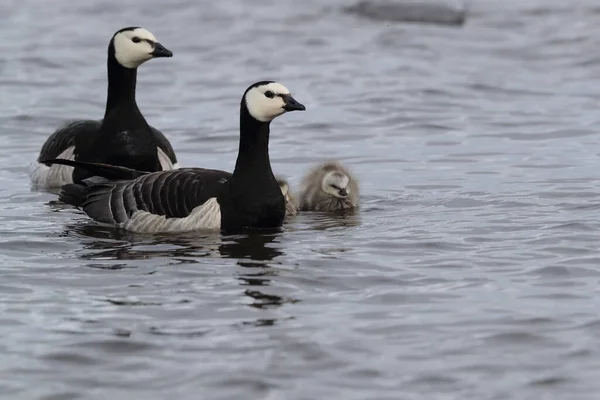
(136,39)
(269,94)
(336,187)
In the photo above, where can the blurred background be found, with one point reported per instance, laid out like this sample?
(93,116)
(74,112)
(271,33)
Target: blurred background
(470,272)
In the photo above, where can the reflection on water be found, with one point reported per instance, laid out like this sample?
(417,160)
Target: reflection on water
(323,221)
(255,247)
(111,243)
(254,252)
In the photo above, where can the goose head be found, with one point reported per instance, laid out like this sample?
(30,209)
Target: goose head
(336,183)
(267,100)
(134,46)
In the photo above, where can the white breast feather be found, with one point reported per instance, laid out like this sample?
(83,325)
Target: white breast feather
(55,175)
(165,161)
(205,216)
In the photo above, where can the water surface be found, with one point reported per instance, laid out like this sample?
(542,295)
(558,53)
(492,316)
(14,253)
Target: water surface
(470,272)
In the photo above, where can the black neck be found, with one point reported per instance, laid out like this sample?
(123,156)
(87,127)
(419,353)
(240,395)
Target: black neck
(253,198)
(253,163)
(121,86)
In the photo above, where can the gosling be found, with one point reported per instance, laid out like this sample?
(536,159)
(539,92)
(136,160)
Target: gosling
(328,187)
(290,203)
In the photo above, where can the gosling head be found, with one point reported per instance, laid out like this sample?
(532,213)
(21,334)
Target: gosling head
(335,183)
(267,100)
(134,46)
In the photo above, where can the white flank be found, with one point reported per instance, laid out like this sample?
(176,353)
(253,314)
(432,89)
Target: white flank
(165,161)
(205,216)
(55,175)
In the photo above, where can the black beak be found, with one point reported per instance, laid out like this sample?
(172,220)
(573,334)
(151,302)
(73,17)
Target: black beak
(343,192)
(291,104)
(161,51)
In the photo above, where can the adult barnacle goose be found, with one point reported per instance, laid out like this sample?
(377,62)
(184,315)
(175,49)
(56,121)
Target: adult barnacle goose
(328,187)
(113,172)
(195,198)
(122,137)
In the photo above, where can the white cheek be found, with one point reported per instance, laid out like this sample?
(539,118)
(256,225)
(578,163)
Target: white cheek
(262,107)
(132,55)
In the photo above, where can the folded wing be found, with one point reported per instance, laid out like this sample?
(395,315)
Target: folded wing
(149,199)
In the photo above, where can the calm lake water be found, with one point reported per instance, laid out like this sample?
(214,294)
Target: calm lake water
(471,271)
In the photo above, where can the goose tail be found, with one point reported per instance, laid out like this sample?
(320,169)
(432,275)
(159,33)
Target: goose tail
(76,194)
(73,194)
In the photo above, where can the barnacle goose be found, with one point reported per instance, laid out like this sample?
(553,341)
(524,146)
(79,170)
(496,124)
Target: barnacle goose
(328,187)
(122,137)
(189,199)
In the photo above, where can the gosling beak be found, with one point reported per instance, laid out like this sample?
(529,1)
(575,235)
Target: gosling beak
(343,192)
(291,104)
(161,51)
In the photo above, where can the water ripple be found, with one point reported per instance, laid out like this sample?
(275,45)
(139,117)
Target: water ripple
(470,270)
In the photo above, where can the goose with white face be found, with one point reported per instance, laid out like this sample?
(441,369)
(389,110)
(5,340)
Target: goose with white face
(270,100)
(336,183)
(135,46)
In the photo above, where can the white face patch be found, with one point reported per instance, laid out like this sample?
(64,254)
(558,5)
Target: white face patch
(262,107)
(132,48)
(333,182)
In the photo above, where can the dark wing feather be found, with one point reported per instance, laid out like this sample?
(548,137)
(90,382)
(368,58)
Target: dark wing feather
(129,202)
(165,192)
(170,186)
(188,203)
(137,195)
(117,204)
(75,193)
(173,193)
(164,144)
(113,172)
(97,204)
(65,136)
(151,197)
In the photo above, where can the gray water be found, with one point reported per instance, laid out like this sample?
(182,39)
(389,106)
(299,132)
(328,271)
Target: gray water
(470,272)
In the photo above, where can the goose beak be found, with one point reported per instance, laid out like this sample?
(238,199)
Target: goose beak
(161,51)
(291,104)
(343,192)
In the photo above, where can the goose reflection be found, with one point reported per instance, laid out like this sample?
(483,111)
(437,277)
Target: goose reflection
(111,244)
(253,247)
(256,253)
